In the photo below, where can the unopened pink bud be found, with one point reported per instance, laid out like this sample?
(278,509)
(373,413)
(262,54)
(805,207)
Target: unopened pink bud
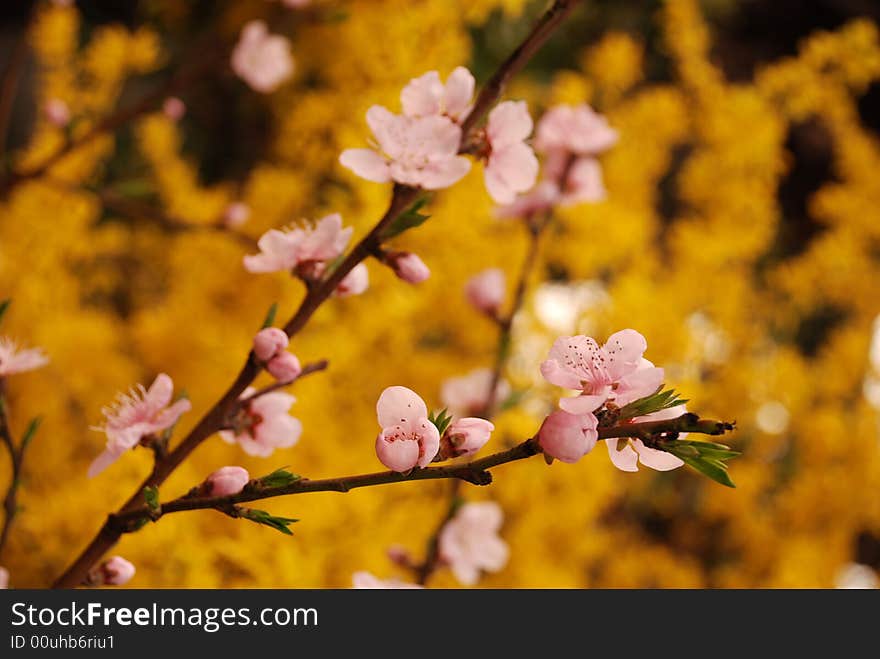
(226,481)
(117,571)
(568,437)
(57,113)
(409,267)
(355,282)
(486,290)
(269,342)
(174,108)
(284,367)
(467,436)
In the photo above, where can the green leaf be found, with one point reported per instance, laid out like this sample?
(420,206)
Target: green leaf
(279,478)
(4,305)
(266,519)
(659,400)
(409,219)
(151,496)
(270,316)
(441,419)
(30,431)
(706,457)
(715,470)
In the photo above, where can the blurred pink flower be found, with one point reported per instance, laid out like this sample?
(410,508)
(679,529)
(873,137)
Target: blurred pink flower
(117,571)
(268,342)
(174,108)
(465,436)
(486,290)
(568,437)
(512,166)
(296,4)
(236,214)
(408,438)
(13,360)
(409,267)
(574,129)
(261,59)
(421,152)
(226,481)
(305,249)
(135,415)
(469,543)
(264,424)
(355,282)
(426,95)
(539,199)
(468,394)
(616,371)
(284,367)
(57,112)
(366,580)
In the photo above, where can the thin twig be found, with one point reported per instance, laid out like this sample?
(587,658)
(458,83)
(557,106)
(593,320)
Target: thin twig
(401,199)
(7,91)
(475,471)
(16,459)
(308,369)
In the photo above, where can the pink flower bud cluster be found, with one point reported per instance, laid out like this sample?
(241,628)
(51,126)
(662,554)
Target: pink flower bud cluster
(269,348)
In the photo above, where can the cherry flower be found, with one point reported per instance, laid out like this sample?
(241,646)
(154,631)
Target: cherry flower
(426,95)
(568,437)
(469,542)
(4,578)
(355,282)
(268,342)
(57,112)
(305,249)
(261,59)
(116,571)
(575,129)
(469,394)
(135,416)
(616,371)
(416,151)
(409,267)
(13,360)
(465,437)
(226,481)
(512,166)
(541,198)
(284,367)
(408,438)
(263,424)
(236,214)
(626,453)
(485,290)
(365,580)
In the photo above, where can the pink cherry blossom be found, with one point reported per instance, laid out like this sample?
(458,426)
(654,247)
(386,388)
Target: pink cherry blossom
(261,59)
(574,129)
(355,282)
(236,214)
(116,571)
(226,481)
(539,199)
(568,437)
(268,342)
(409,267)
(465,437)
(486,290)
(264,425)
(57,112)
(173,108)
(4,578)
(584,183)
(408,438)
(138,414)
(366,580)
(625,454)
(304,248)
(469,543)
(296,4)
(416,151)
(469,394)
(284,367)
(426,95)
(14,360)
(616,371)
(512,166)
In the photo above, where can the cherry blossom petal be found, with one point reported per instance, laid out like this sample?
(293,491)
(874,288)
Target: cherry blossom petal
(388,129)
(459,92)
(638,384)
(509,123)
(584,404)
(367,164)
(443,173)
(398,455)
(511,169)
(625,459)
(656,459)
(422,96)
(399,405)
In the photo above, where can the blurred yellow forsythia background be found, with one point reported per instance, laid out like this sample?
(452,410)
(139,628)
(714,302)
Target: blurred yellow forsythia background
(116,300)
